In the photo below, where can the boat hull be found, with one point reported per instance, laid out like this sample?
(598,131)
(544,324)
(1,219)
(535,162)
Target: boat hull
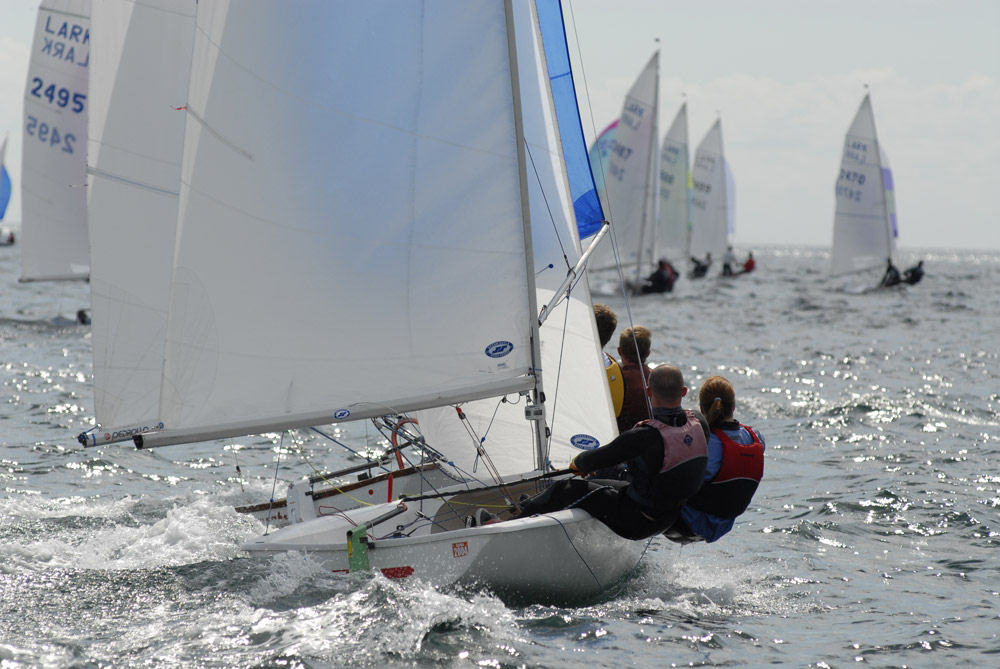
(565,555)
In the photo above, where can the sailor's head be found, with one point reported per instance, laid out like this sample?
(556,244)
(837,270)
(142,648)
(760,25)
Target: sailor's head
(666,386)
(662,262)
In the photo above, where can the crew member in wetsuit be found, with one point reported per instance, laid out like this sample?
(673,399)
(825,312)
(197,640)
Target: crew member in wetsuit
(633,349)
(661,280)
(891,276)
(666,464)
(735,467)
(700,267)
(914,274)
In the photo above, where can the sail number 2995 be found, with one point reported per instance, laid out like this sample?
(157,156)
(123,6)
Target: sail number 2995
(49,134)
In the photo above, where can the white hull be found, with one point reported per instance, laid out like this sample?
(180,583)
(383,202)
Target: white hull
(563,555)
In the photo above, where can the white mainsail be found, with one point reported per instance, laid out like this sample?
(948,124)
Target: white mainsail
(711,196)
(674,228)
(580,414)
(139,83)
(390,198)
(53,174)
(864,226)
(628,177)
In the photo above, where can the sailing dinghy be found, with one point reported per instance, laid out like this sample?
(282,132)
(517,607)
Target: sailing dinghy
(712,197)
(438,266)
(864,223)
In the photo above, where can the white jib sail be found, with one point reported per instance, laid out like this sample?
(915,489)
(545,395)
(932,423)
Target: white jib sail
(578,405)
(711,197)
(350,239)
(53,173)
(629,176)
(139,85)
(863,226)
(674,229)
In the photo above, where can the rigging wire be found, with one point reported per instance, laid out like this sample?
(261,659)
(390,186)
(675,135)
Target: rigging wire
(274,485)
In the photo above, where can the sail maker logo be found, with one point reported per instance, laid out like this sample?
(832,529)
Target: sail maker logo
(128,433)
(584,442)
(341,414)
(499,349)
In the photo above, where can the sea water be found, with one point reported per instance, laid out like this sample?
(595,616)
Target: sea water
(872,541)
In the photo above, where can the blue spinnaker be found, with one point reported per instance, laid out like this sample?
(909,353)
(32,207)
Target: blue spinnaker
(587,205)
(4,191)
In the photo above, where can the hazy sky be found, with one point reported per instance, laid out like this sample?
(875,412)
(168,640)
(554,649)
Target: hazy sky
(787,77)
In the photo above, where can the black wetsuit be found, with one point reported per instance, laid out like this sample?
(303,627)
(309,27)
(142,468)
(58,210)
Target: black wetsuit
(913,275)
(660,281)
(891,277)
(700,269)
(618,503)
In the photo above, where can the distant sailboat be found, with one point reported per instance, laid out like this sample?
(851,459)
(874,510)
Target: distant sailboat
(628,176)
(53,175)
(711,197)
(675,188)
(864,224)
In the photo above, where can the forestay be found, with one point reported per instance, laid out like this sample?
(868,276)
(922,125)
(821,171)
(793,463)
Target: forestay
(711,196)
(53,170)
(580,413)
(139,85)
(350,237)
(864,226)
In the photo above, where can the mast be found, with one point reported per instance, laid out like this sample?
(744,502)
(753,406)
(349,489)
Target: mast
(879,154)
(535,410)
